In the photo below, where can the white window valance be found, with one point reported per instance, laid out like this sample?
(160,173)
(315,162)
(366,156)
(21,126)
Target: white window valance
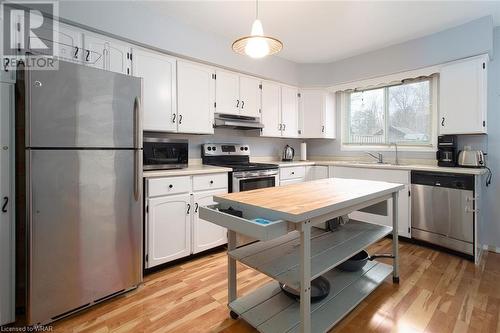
(386,80)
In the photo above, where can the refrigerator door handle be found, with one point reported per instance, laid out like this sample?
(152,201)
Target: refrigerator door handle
(137,123)
(137,162)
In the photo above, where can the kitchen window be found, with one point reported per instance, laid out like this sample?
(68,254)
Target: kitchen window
(402,113)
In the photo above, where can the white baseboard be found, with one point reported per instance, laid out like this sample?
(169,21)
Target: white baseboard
(491,248)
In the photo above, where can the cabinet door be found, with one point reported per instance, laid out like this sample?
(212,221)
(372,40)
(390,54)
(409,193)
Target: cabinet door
(271,109)
(169,229)
(159,97)
(250,95)
(206,235)
(70,44)
(328,117)
(227,93)
(314,172)
(289,112)
(118,58)
(393,176)
(66,41)
(195,98)
(94,51)
(312,104)
(7,313)
(463,97)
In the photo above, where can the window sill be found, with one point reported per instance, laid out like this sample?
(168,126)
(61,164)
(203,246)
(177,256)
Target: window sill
(344,147)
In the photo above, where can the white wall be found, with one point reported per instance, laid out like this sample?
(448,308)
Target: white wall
(492,141)
(138,22)
(259,146)
(473,38)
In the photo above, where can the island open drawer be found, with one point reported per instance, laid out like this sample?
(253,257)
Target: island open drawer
(245,225)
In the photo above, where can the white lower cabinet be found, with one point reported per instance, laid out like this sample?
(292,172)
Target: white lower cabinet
(292,175)
(173,227)
(169,228)
(206,235)
(392,176)
(314,172)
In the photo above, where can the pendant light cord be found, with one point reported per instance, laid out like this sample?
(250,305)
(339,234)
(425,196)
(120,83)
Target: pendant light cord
(256,9)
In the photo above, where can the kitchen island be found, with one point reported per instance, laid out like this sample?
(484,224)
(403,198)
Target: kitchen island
(292,252)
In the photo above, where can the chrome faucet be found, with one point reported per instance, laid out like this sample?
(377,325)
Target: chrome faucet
(379,157)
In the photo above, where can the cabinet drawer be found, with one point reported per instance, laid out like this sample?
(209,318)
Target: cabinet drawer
(292,172)
(168,185)
(210,181)
(244,225)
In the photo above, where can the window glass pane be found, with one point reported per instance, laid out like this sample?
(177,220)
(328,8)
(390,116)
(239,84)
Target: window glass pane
(410,118)
(366,117)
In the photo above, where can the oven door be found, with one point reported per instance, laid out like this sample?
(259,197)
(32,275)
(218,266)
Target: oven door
(243,181)
(161,153)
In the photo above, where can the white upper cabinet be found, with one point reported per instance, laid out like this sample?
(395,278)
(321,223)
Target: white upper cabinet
(66,42)
(280,114)
(289,111)
(237,94)
(250,95)
(463,96)
(195,98)
(227,93)
(271,109)
(158,72)
(107,54)
(70,44)
(317,114)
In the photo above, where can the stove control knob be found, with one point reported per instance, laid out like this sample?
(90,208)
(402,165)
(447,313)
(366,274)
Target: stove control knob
(214,148)
(246,148)
(209,148)
(241,148)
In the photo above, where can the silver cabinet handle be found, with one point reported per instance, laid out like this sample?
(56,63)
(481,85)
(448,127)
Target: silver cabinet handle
(237,103)
(284,127)
(173,118)
(180,119)
(322,129)
(242,104)
(280,126)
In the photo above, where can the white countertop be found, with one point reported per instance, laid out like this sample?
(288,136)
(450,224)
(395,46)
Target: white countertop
(283,164)
(197,169)
(418,167)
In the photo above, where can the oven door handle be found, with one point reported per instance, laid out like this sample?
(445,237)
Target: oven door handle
(263,176)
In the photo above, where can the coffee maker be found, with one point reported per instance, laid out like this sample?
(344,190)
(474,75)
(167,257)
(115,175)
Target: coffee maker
(446,154)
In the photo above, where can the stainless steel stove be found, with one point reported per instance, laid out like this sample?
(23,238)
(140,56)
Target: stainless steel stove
(246,175)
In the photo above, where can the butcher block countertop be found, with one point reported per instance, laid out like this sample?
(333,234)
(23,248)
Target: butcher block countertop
(302,201)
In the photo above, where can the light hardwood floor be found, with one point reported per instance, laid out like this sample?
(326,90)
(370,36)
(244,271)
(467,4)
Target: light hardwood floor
(438,292)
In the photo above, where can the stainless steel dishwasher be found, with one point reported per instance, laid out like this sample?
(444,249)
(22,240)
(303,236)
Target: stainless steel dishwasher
(443,210)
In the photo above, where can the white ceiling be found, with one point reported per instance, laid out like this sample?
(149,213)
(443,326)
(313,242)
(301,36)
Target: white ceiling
(326,31)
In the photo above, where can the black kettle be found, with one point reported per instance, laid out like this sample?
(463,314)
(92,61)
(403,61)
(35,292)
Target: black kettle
(288,153)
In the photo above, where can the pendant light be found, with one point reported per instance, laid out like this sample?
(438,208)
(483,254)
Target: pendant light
(257,45)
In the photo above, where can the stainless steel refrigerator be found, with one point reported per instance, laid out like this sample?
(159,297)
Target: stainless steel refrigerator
(84,188)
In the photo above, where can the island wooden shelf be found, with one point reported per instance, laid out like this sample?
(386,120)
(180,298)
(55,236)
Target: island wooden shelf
(270,311)
(299,256)
(280,258)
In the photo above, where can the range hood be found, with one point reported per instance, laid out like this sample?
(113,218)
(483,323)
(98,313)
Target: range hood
(237,122)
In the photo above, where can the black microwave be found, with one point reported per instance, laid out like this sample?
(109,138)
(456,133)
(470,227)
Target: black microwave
(163,153)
